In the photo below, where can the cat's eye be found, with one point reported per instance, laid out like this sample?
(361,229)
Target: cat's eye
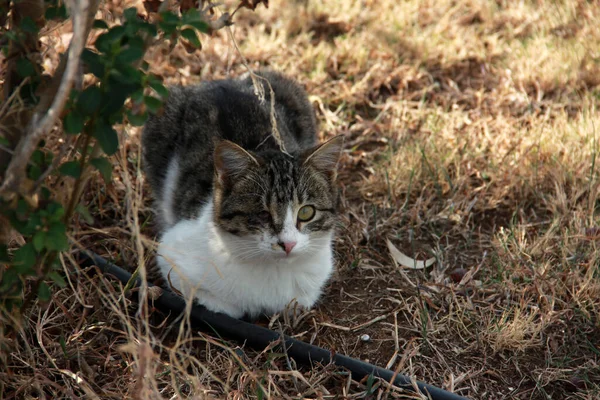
(306,213)
(264,216)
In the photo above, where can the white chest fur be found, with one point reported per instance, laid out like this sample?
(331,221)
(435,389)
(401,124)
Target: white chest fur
(200,260)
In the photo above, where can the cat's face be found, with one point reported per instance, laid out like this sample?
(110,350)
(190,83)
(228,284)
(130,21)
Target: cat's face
(273,205)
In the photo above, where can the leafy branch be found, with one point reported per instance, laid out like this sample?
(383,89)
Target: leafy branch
(120,90)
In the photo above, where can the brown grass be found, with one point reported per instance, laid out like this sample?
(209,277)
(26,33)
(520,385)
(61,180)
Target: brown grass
(471,136)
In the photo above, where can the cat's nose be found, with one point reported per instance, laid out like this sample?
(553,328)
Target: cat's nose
(287,246)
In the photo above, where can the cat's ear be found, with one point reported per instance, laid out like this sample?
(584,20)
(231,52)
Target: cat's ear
(325,157)
(231,160)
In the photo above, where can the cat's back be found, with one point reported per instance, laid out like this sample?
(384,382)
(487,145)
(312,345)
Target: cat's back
(231,109)
(177,144)
(192,115)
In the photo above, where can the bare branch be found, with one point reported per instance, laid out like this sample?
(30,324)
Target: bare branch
(42,123)
(223,21)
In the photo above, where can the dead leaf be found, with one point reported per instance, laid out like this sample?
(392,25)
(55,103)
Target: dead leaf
(152,5)
(405,261)
(251,4)
(185,5)
(154,292)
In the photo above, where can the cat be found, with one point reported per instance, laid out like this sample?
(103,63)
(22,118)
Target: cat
(246,228)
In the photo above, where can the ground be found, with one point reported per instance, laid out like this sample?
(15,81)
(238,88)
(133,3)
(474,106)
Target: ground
(471,137)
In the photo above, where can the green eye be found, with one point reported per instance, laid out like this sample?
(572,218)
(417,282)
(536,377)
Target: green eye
(306,213)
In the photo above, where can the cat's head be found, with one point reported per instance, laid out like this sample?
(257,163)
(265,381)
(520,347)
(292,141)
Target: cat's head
(270,204)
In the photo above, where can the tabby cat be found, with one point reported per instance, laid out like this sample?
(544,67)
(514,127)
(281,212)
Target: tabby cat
(245,227)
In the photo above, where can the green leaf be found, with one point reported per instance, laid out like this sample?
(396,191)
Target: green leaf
(73,122)
(55,211)
(193,18)
(63,344)
(56,239)
(137,119)
(168,22)
(70,168)
(127,74)
(119,92)
(24,258)
(34,223)
(25,67)
(57,278)
(11,36)
(4,141)
(158,87)
(28,25)
(94,62)
(149,28)
(153,104)
(85,213)
(138,96)
(10,279)
(44,292)
(89,100)
(37,157)
(100,24)
(107,137)
(39,240)
(22,208)
(3,252)
(104,166)
(369,385)
(130,54)
(169,17)
(34,172)
(130,14)
(45,193)
(110,39)
(56,12)
(191,36)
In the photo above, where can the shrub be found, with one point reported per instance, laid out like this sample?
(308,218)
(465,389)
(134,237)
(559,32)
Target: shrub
(118,90)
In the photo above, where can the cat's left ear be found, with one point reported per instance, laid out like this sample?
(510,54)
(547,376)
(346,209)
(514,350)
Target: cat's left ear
(232,161)
(325,157)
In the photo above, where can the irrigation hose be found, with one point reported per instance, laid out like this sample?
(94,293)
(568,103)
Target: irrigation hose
(259,338)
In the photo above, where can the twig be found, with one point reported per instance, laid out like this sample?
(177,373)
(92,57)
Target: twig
(41,125)
(12,96)
(356,327)
(287,356)
(81,182)
(61,152)
(6,149)
(396,344)
(334,326)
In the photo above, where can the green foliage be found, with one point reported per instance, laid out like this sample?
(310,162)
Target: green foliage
(56,10)
(122,91)
(104,166)
(370,387)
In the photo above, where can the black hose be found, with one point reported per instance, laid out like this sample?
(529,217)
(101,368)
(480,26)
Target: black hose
(259,338)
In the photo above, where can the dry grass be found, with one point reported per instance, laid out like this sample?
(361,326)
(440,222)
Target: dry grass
(472,137)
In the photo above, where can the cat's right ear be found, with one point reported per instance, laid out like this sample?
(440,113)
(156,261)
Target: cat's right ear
(231,161)
(325,156)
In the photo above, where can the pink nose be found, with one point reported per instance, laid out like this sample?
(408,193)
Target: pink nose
(288,246)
